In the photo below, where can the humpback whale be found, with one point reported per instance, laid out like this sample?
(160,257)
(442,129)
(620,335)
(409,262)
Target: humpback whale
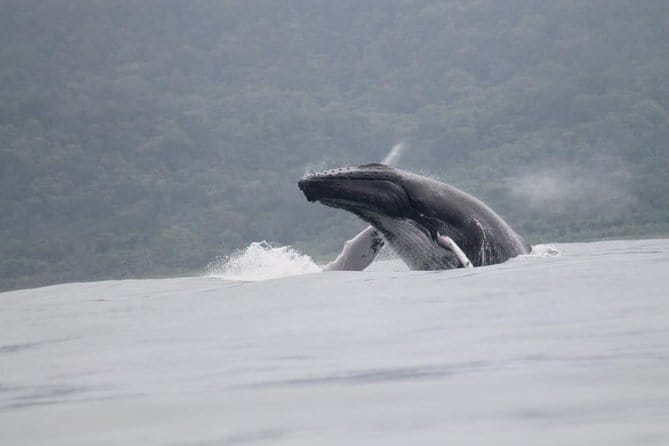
(429,224)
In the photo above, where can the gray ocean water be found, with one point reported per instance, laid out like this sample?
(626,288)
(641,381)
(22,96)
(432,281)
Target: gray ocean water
(548,349)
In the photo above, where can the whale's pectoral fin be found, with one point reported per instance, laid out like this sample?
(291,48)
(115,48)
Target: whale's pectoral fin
(358,252)
(448,243)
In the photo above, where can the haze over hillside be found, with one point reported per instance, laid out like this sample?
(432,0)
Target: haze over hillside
(146,138)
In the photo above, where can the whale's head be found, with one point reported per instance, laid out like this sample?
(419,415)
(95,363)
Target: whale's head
(363,190)
(378,190)
(399,204)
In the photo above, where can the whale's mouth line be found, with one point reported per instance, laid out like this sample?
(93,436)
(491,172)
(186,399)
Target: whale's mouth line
(309,183)
(339,203)
(312,187)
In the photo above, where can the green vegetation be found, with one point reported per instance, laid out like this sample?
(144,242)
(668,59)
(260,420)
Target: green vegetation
(145,138)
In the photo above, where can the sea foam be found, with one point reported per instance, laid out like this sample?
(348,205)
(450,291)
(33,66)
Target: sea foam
(262,261)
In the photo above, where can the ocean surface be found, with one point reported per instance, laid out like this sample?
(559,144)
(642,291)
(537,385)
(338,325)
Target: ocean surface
(567,346)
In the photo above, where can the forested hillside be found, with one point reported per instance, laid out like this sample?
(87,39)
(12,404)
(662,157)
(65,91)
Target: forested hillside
(146,138)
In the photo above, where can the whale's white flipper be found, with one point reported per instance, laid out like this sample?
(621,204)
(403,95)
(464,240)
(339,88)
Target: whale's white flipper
(448,243)
(358,252)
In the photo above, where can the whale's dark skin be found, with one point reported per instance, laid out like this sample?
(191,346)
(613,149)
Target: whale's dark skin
(413,211)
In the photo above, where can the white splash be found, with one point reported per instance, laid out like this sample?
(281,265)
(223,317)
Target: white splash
(394,155)
(543,251)
(262,261)
(314,167)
